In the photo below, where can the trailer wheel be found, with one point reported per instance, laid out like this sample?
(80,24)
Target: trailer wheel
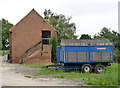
(99,68)
(86,68)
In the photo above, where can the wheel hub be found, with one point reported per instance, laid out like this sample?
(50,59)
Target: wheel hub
(100,69)
(86,69)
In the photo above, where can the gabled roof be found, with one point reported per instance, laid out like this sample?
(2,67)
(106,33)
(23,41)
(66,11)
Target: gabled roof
(84,42)
(33,10)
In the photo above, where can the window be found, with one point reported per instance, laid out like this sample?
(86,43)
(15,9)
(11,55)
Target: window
(46,37)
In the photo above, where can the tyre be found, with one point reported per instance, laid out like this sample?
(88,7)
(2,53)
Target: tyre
(99,68)
(86,68)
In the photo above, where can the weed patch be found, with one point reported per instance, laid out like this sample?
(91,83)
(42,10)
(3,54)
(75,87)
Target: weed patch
(28,76)
(4,52)
(107,78)
(37,65)
(60,76)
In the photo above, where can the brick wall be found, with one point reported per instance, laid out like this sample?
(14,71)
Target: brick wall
(45,57)
(26,34)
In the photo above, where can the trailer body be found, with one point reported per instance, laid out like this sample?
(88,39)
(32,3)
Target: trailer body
(86,55)
(100,52)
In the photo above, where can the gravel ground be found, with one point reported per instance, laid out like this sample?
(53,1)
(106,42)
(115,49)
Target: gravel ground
(14,75)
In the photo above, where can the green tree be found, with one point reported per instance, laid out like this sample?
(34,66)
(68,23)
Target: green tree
(119,42)
(109,34)
(54,48)
(113,37)
(62,24)
(5,34)
(85,36)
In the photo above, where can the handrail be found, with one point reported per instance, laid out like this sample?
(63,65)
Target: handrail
(29,50)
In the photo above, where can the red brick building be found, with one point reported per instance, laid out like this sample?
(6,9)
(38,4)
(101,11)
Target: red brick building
(25,39)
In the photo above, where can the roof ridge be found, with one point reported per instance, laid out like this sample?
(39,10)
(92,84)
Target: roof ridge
(44,19)
(20,21)
(27,15)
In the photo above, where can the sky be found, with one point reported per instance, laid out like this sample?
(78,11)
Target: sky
(90,16)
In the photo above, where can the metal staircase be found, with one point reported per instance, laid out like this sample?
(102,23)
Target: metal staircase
(31,51)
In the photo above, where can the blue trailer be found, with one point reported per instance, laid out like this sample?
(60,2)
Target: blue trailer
(86,55)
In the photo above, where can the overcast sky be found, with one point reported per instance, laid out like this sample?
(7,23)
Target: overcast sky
(90,16)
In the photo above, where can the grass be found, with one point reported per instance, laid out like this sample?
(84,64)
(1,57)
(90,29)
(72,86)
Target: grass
(3,53)
(36,65)
(60,76)
(107,78)
(0,52)
(50,72)
(28,76)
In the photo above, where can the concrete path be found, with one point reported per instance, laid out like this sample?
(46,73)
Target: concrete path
(8,77)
